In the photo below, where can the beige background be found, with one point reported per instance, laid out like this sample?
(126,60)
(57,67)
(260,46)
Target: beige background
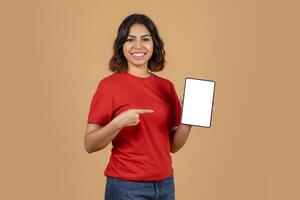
(53,53)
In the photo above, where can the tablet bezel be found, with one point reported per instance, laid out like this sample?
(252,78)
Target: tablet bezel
(184,98)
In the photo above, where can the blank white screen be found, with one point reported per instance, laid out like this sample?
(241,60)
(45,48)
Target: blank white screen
(197,102)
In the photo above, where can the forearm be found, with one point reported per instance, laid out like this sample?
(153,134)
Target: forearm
(180,137)
(100,138)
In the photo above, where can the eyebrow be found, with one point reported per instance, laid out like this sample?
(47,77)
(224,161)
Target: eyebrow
(141,36)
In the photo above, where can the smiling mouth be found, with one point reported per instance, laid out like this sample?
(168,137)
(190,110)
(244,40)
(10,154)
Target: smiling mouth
(138,55)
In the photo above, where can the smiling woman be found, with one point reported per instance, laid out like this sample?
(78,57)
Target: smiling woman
(139,113)
(137,35)
(138,47)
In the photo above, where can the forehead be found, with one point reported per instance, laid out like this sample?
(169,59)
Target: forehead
(138,30)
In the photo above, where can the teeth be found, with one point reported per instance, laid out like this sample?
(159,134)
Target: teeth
(138,54)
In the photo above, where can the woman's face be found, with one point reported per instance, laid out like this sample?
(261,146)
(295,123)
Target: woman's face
(138,47)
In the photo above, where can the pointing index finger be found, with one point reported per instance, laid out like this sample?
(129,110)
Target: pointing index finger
(141,111)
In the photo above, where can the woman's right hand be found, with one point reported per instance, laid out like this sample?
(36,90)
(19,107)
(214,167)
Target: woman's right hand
(130,117)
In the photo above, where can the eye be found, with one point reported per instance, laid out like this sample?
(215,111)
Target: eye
(146,39)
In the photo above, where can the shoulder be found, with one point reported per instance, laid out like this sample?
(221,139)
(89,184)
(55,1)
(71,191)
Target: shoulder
(109,79)
(164,80)
(166,83)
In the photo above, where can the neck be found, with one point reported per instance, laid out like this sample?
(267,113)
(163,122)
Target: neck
(141,71)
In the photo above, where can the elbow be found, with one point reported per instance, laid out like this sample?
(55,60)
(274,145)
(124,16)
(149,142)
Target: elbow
(88,149)
(88,145)
(173,149)
(91,149)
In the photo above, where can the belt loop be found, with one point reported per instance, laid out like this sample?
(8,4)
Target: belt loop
(156,189)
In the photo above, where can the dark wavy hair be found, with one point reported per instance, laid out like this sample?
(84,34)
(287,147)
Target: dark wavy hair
(118,62)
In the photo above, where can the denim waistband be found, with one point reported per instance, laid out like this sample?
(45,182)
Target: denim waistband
(123,180)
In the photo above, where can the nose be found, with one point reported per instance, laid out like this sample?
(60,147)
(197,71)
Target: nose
(138,44)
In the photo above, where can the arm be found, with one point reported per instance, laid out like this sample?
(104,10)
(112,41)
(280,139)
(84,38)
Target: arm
(98,137)
(180,136)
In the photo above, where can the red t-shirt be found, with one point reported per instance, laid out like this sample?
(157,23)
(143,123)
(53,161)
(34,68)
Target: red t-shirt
(140,152)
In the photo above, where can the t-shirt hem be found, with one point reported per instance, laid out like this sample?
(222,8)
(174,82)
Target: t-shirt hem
(148,178)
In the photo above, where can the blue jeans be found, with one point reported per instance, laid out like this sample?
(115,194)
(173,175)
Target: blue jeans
(117,189)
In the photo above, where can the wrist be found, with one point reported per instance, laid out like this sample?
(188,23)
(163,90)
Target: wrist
(117,124)
(186,126)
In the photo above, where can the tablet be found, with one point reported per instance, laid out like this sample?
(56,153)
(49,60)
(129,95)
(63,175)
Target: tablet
(198,97)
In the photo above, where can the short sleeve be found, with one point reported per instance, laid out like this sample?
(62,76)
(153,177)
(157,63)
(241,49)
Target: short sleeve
(101,107)
(176,108)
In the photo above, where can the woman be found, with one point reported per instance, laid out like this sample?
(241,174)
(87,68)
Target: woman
(139,112)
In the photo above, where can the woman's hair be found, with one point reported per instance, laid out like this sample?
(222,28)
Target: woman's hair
(118,62)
